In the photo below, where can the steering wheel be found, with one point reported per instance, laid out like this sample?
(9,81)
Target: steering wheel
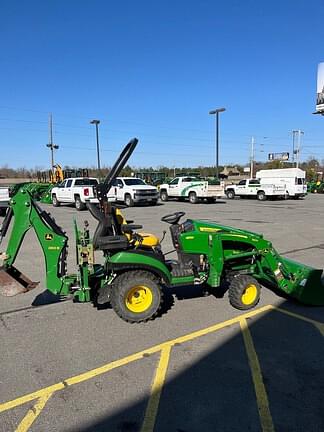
(173,218)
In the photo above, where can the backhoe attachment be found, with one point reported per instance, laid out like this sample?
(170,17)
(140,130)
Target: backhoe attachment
(27,214)
(13,282)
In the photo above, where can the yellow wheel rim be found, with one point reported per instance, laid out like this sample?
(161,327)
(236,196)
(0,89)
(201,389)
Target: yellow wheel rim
(139,298)
(249,294)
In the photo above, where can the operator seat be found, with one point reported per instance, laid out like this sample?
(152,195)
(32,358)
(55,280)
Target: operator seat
(108,235)
(147,240)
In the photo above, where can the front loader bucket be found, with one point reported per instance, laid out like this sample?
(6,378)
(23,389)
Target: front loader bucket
(13,282)
(306,284)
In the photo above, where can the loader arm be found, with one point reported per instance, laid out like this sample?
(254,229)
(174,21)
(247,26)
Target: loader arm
(26,214)
(263,262)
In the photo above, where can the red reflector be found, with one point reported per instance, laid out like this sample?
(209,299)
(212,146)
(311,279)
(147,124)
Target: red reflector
(86,191)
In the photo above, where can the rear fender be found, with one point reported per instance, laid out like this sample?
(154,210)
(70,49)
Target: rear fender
(138,260)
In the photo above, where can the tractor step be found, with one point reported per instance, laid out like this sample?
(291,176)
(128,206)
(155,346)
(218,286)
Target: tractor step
(13,282)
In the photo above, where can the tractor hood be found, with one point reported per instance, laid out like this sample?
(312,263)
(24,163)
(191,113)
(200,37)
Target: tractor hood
(213,227)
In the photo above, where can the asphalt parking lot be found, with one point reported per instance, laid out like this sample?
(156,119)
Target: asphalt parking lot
(202,366)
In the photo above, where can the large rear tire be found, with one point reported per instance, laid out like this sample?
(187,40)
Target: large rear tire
(136,296)
(244,292)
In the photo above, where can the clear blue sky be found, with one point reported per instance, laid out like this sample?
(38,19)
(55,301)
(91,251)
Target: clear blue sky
(153,69)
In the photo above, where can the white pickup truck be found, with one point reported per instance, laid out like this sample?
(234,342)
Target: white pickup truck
(256,189)
(74,190)
(4,199)
(132,190)
(192,188)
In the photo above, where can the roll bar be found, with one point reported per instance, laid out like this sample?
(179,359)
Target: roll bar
(103,188)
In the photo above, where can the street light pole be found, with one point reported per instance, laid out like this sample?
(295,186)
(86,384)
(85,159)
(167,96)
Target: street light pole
(50,145)
(300,133)
(213,112)
(96,122)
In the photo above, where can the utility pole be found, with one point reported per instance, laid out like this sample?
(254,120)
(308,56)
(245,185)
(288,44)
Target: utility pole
(252,156)
(294,132)
(51,145)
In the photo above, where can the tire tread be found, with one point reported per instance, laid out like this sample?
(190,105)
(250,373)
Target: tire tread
(117,294)
(236,288)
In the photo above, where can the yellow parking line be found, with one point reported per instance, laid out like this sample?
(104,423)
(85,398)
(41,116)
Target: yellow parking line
(33,413)
(115,364)
(31,396)
(319,325)
(153,404)
(260,391)
(43,395)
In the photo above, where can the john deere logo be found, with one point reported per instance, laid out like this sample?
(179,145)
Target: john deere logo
(48,236)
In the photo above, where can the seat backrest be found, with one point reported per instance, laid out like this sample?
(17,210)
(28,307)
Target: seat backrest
(108,227)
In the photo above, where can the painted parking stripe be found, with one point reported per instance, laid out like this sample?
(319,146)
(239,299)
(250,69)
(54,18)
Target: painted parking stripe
(157,386)
(115,364)
(44,394)
(259,388)
(317,324)
(33,413)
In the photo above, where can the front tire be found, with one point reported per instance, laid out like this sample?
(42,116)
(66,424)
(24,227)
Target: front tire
(55,201)
(136,296)
(129,200)
(230,194)
(244,292)
(164,196)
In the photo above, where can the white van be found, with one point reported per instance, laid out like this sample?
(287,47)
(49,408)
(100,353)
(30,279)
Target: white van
(293,178)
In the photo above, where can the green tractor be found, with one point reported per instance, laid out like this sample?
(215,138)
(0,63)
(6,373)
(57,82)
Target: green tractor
(136,273)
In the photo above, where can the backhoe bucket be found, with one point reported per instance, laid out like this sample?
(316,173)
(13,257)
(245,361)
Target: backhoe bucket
(13,282)
(307,283)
